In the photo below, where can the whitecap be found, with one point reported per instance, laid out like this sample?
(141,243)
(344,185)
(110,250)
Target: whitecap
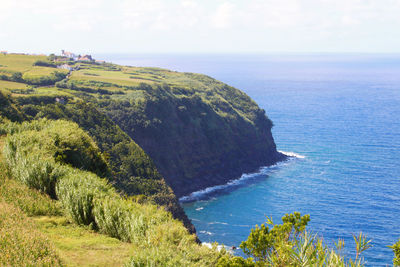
(206,232)
(223,223)
(292,154)
(200,208)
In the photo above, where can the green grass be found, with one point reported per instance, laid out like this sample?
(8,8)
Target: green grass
(37,71)
(52,91)
(21,63)
(11,85)
(78,246)
(113,77)
(21,244)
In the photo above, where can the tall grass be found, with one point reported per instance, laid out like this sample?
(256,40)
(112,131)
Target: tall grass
(127,220)
(20,242)
(35,172)
(77,192)
(33,152)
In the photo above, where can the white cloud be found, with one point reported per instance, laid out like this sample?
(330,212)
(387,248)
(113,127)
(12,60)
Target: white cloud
(350,21)
(161,15)
(273,13)
(223,16)
(190,21)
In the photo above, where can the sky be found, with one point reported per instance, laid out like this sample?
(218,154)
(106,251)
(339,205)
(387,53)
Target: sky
(200,26)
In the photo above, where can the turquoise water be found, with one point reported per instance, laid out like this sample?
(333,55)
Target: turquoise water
(341,114)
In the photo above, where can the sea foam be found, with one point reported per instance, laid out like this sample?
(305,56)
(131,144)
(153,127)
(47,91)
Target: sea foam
(292,154)
(205,193)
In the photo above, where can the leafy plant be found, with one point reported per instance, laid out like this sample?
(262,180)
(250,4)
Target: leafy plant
(396,250)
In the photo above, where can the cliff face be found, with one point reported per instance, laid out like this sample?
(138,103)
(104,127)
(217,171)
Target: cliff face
(201,139)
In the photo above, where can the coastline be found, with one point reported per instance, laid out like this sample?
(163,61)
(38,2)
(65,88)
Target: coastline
(237,182)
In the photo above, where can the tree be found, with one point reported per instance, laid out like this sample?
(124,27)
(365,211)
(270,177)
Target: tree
(274,244)
(289,244)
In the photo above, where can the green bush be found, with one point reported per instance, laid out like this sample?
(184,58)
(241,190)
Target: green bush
(9,110)
(44,63)
(118,219)
(169,244)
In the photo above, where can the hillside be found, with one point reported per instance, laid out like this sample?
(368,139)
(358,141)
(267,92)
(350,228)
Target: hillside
(198,131)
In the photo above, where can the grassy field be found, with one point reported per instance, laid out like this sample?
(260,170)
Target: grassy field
(52,91)
(36,71)
(21,63)
(114,77)
(11,85)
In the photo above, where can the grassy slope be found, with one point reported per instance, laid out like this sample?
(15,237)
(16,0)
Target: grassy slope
(21,63)
(156,239)
(78,246)
(74,245)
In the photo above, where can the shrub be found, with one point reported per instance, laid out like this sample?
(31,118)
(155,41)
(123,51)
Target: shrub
(43,63)
(118,219)
(8,109)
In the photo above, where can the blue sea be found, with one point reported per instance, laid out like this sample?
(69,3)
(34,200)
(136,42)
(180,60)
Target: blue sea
(340,115)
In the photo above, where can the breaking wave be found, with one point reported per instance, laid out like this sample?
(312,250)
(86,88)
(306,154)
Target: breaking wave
(292,154)
(246,178)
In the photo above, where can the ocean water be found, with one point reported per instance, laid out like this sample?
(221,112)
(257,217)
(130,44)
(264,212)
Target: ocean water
(341,115)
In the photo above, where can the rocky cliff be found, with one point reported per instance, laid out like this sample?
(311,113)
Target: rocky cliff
(198,137)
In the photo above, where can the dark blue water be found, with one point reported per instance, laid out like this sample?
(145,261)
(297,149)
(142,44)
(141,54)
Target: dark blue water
(342,113)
